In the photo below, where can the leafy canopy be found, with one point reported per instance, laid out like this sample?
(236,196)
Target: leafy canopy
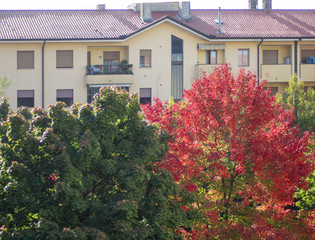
(236,149)
(302,99)
(86,174)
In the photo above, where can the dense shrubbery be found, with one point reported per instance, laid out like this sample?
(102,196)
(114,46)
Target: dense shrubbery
(86,174)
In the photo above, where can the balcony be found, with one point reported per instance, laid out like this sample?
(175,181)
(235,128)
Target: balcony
(205,68)
(277,72)
(109,74)
(307,72)
(109,69)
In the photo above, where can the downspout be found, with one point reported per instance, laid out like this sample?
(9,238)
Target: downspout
(296,113)
(43,74)
(295,57)
(258,60)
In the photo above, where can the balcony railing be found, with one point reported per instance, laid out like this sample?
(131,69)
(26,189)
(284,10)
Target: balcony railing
(307,72)
(276,73)
(109,69)
(205,68)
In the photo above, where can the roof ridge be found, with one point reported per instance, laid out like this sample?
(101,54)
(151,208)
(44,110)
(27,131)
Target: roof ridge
(63,10)
(251,10)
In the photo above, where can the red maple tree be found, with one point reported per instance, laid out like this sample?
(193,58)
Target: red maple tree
(238,151)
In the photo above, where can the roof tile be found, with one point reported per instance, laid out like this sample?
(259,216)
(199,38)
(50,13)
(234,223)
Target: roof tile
(114,24)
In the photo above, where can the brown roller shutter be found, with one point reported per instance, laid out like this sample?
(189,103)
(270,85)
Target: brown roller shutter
(111,55)
(25,59)
(270,57)
(64,58)
(64,93)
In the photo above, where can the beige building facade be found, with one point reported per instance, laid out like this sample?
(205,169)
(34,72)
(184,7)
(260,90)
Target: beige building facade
(159,57)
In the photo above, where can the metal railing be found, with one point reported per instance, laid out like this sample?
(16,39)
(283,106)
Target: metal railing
(109,69)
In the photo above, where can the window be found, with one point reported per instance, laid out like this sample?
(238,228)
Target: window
(25,98)
(64,59)
(212,57)
(177,78)
(307,56)
(25,60)
(273,90)
(93,89)
(243,57)
(307,87)
(270,57)
(111,62)
(145,95)
(65,95)
(145,58)
(89,58)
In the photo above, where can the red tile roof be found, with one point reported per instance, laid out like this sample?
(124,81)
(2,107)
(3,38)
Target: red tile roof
(118,24)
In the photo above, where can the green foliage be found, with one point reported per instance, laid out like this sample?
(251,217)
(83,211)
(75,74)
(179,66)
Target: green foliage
(3,84)
(303,103)
(238,152)
(4,108)
(86,174)
(307,197)
(304,110)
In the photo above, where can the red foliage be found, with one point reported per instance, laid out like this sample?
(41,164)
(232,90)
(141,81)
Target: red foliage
(230,134)
(53,177)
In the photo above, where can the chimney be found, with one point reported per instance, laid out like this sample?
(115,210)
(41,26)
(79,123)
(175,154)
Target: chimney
(267,5)
(100,7)
(219,21)
(252,4)
(145,12)
(184,10)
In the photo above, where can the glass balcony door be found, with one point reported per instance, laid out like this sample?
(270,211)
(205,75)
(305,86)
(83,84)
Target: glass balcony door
(111,61)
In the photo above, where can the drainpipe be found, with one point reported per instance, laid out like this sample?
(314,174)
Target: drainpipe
(43,74)
(295,57)
(258,59)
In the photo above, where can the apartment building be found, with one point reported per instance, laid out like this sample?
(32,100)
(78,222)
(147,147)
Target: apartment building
(154,49)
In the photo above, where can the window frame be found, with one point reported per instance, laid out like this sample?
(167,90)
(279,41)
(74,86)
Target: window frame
(273,90)
(65,99)
(144,56)
(91,90)
(307,87)
(111,64)
(270,57)
(305,54)
(27,92)
(209,57)
(238,55)
(20,64)
(147,98)
(58,59)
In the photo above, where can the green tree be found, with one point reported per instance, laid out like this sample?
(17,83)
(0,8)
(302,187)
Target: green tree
(3,84)
(303,103)
(239,153)
(304,110)
(86,174)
